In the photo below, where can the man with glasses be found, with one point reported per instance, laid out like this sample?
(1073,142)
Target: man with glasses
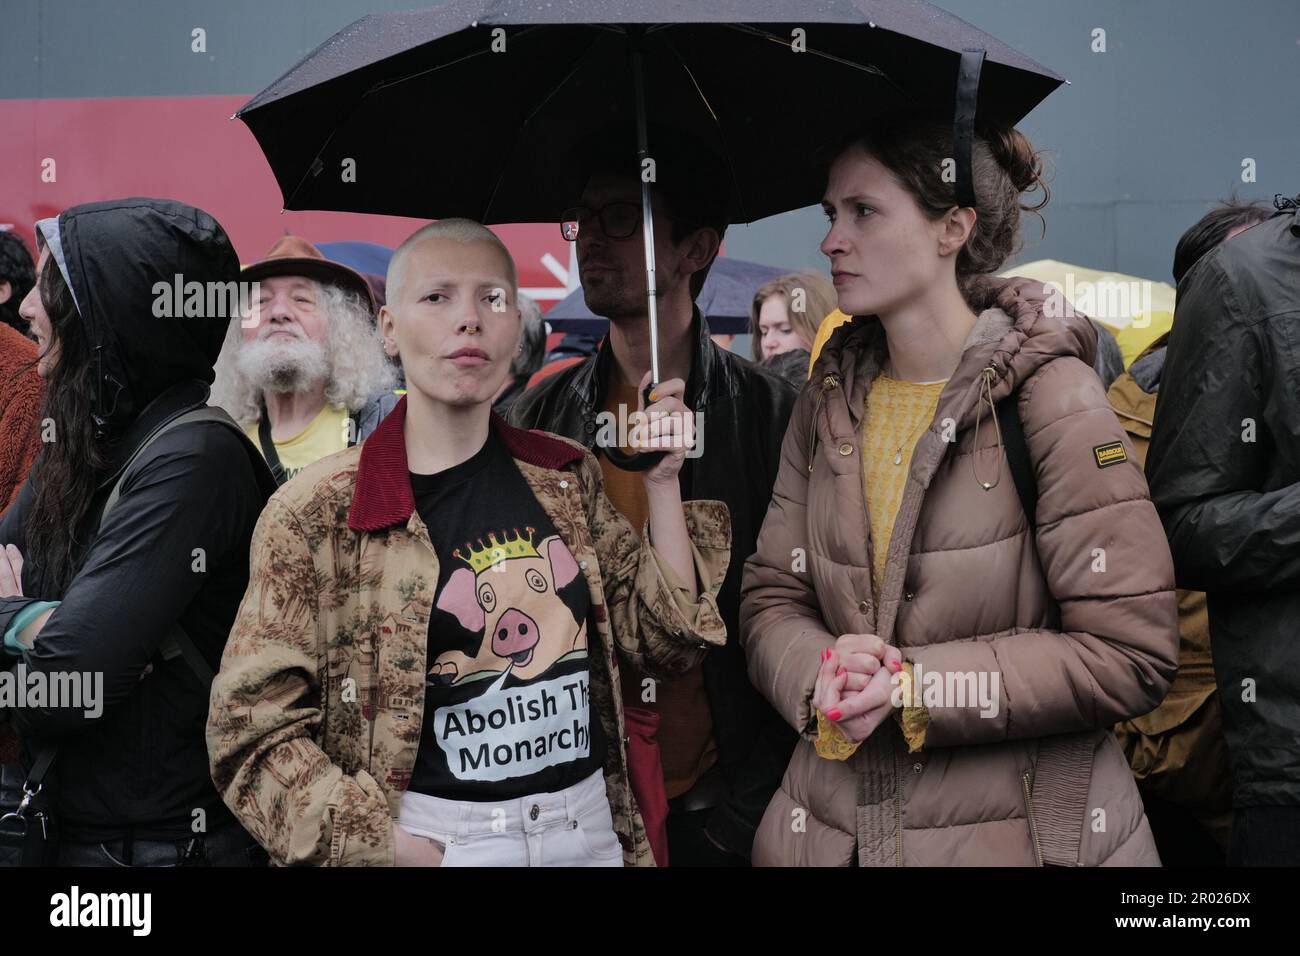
(721,747)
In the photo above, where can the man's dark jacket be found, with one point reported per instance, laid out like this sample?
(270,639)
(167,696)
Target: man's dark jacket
(173,549)
(744,411)
(1224,470)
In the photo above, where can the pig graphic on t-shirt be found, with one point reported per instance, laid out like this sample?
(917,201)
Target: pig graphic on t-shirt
(514,600)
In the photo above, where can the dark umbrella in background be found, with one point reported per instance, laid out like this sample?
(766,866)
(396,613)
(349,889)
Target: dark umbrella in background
(458,110)
(368,258)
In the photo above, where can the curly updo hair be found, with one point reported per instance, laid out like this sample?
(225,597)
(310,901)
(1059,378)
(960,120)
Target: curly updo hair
(917,148)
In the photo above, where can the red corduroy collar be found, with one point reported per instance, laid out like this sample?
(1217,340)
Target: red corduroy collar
(383,495)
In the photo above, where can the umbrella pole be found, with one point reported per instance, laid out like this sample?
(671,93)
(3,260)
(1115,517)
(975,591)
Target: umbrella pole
(641,461)
(647,220)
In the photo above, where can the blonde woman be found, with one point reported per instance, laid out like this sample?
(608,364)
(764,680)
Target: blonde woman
(787,312)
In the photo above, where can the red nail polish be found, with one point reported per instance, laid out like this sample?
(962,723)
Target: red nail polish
(835,714)
(896,666)
(826,655)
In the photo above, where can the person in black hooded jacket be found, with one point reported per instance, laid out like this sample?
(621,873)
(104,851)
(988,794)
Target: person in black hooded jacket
(130,783)
(1224,471)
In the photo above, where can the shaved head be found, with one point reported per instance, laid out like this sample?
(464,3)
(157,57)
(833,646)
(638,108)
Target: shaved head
(463,231)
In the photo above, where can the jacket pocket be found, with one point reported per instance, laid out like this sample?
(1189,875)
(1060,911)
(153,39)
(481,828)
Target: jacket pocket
(1027,787)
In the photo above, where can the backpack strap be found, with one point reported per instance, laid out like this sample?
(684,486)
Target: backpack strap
(1063,771)
(268,448)
(204,413)
(272,456)
(1017,451)
(177,643)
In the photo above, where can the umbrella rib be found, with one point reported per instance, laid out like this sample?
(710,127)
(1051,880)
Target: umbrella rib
(740,193)
(316,160)
(384,84)
(863,67)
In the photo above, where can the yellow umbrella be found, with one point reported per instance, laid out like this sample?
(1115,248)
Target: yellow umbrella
(1137,310)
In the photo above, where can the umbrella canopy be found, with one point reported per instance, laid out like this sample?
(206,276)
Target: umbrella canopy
(466,109)
(362,256)
(724,301)
(476,108)
(1137,310)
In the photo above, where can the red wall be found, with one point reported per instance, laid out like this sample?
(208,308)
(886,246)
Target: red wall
(188,148)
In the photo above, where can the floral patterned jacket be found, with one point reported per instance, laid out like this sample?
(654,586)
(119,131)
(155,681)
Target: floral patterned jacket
(342,574)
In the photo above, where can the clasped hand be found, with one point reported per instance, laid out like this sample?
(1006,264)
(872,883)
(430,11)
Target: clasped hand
(854,686)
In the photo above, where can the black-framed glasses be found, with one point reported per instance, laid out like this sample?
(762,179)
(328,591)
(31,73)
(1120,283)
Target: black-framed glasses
(618,220)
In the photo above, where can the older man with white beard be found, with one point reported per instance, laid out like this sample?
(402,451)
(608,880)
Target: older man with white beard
(305,371)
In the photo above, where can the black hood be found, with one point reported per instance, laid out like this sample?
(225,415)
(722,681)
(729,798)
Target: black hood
(116,253)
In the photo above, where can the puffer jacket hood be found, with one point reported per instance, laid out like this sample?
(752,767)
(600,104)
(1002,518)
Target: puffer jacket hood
(1069,624)
(1039,332)
(117,258)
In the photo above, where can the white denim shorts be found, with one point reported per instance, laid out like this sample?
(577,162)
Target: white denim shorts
(572,827)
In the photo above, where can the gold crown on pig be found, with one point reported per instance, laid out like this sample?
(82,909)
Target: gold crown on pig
(484,556)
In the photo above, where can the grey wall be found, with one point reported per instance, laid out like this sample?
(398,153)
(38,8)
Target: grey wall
(1147,135)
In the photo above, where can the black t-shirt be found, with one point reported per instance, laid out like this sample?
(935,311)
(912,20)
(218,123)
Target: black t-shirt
(507,701)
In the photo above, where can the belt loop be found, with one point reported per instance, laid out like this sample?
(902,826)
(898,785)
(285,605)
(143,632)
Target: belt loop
(462,821)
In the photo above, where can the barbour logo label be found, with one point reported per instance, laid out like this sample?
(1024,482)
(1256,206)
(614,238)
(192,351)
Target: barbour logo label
(1112,453)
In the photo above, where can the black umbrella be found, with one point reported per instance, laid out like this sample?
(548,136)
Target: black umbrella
(464,109)
(440,125)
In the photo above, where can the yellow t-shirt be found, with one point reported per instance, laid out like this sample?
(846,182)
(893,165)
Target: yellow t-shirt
(328,432)
(897,415)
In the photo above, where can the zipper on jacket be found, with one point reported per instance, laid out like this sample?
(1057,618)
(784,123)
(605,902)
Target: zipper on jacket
(1025,781)
(898,810)
(986,397)
(829,382)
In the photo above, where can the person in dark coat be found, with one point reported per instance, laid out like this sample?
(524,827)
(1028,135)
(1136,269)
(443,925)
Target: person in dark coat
(791,366)
(720,747)
(1224,471)
(131,784)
